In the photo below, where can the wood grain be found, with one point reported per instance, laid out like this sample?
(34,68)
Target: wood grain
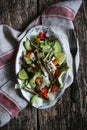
(65,115)
(17,13)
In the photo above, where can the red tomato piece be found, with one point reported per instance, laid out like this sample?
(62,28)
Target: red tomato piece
(41,35)
(45,95)
(54,88)
(44,92)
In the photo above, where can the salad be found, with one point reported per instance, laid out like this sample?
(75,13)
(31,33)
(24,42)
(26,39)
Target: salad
(43,68)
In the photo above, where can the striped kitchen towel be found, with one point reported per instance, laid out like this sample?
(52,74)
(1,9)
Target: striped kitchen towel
(58,16)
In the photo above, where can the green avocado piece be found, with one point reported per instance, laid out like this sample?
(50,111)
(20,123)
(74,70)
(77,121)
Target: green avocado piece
(27,45)
(57,47)
(22,74)
(33,99)
(61,76)
(32,81)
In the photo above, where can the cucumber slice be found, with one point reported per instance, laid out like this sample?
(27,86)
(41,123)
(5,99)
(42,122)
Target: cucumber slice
(23,75)
(27,45)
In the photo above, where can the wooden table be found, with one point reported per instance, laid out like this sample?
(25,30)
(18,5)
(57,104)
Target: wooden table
(65,115)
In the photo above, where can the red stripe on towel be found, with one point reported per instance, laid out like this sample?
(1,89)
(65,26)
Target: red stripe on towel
(60,11)
(8,57)
(9,105)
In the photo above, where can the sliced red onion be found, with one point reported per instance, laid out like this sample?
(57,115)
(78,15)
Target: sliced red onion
(47,35)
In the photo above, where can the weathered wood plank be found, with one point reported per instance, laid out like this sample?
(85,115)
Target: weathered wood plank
(17,13)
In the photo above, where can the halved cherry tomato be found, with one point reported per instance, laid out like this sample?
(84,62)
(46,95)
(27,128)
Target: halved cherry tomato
(45,95)
(44,92)
(56,72)
(54,88)
(41,35)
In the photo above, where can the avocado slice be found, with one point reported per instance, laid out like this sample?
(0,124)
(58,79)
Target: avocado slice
(57,47)
(61,76)
(27,45)
(23,75)
(32,81)
(33,99)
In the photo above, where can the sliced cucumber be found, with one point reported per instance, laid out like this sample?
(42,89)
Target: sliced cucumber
(22,74)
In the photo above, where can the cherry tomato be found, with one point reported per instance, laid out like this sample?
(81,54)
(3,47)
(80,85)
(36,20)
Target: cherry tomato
(54,88)
(41,35)
(44,92)
(45,95)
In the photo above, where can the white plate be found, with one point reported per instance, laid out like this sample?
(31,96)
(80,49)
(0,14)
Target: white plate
(27,95)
